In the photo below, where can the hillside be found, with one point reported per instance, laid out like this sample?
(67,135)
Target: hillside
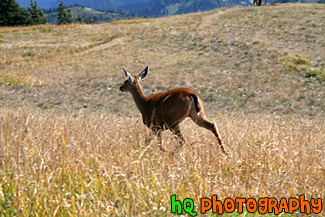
(299,1)
(73,144)
(173,7)
(265,60)
(91,14)
(103,5)
(145,8)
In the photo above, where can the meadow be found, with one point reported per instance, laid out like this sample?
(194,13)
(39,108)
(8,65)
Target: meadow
(72,144)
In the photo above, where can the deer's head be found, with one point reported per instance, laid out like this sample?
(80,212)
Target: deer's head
(131,82)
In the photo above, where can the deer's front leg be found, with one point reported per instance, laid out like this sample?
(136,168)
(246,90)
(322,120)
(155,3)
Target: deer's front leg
(158,133)
(148,138)
(180,138)
(161,141)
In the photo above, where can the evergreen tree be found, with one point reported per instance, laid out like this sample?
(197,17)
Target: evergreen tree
(36,14)
(64,17)
(86,19)
(91,20)
(11,14)
(61,14)
(79,19)
(69,16)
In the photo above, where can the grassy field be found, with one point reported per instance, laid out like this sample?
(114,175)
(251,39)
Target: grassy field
(71,144)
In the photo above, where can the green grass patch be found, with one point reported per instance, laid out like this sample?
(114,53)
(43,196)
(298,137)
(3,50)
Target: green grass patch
(18,79)
(45,105)
(315,73)
(42,29)
(46,29)
(134,21)
(295,60)
(300,61)
(2,40)
(12,79)
(302,66)
(28,54)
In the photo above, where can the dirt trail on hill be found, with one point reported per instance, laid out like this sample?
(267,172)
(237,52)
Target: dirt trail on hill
(209,20)
(205,22)
(107,45)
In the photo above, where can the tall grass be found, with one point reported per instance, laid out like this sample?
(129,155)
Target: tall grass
(72,144)
(95,165)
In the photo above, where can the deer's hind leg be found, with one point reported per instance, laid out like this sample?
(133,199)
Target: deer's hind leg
(202,120)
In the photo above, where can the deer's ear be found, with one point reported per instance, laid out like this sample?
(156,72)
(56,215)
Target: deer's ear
(144,73)
(128,75)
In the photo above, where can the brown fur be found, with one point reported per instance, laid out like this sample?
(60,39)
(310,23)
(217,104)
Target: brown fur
(166,110)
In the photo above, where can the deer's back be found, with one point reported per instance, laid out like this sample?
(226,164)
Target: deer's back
(166,109)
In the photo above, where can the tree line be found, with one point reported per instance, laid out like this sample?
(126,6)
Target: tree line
(11,14)
(65,16)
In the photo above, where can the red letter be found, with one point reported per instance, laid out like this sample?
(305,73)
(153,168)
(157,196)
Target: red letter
(291,207)
(304,203)
(204,208)
(229,205)
(240,202)
(262,205)
(216,203)
(317,207)
(283,205)
(273,205)
(251,205)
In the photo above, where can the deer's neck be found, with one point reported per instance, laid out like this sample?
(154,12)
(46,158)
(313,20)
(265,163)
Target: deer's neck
(139,98)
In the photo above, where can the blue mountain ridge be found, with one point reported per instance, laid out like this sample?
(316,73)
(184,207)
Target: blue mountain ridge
(147,8)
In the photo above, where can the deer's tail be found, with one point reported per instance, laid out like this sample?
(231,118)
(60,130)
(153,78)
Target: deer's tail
(196,103)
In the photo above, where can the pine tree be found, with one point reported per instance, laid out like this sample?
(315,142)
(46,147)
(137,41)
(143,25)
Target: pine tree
(11,14)
(69,16)
(79,19)
(91,20)
(62,14)
(64,17)
(36,14)
(86,20)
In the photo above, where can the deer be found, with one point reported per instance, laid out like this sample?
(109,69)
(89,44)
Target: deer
(166,110)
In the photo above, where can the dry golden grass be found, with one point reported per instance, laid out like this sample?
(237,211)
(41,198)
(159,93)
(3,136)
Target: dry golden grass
(72,144)
(98,165)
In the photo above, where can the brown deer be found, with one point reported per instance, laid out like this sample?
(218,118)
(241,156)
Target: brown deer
(168,109)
